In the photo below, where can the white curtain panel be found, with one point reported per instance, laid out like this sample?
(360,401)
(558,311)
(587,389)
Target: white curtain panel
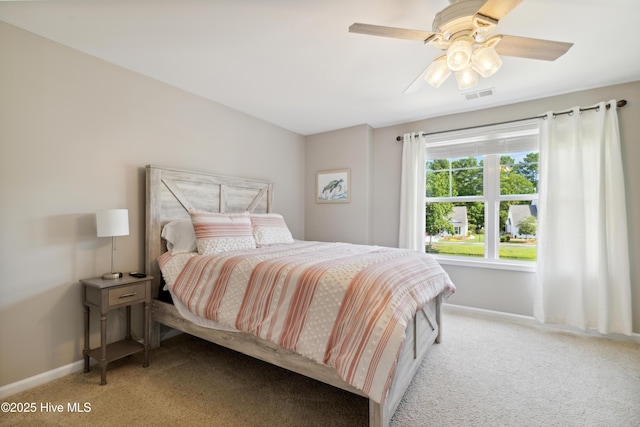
(412,192)
(583,254)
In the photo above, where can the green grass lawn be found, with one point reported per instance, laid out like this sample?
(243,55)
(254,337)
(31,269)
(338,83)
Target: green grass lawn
(520,253)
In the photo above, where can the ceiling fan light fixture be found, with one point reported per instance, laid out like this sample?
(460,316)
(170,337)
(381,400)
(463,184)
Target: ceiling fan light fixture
(486,61)
(464,31)
(466,78)
(437,72)
(459,53)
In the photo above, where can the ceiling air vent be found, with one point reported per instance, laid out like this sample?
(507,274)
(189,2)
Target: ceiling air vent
(479,93)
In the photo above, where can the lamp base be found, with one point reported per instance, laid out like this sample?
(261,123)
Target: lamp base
(111,276)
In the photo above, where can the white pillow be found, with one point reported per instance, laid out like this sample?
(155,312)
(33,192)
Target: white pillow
(270,229)
(180,236)
(216,233)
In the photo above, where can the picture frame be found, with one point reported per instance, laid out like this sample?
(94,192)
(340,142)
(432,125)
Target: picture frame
(333,186)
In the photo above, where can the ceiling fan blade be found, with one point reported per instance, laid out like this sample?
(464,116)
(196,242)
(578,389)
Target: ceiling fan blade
(417,84)
(498,9)
(525,47)
(396,33)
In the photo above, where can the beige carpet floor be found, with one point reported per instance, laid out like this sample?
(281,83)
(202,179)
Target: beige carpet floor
(485,373)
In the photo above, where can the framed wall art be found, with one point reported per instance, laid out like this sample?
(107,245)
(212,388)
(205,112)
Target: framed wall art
(333,186)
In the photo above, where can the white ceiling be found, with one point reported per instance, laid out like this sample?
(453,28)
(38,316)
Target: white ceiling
(294,63)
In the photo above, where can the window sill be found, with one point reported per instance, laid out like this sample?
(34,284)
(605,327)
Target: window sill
(529,267)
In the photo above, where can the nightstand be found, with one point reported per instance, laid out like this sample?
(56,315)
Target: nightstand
(106,295)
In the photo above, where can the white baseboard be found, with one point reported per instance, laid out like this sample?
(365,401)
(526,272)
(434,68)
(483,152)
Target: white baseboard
(43,378)
(497,315)
(528,320)
(54,374)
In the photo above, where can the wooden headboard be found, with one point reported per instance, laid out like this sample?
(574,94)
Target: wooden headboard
(172,192)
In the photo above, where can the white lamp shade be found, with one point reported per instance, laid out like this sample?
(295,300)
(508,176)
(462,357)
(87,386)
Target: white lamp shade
(112,222)
(459,53)
(437,72)
(466,78)
(486,61)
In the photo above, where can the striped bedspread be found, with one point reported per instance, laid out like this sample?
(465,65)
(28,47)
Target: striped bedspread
(346,306)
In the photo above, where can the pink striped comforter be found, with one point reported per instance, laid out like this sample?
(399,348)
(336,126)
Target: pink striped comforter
(342,305)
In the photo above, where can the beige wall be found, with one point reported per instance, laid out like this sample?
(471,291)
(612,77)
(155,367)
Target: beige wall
(349,148)
(507,291)
(75,135)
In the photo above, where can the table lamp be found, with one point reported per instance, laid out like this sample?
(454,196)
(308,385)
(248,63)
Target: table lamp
(112,223)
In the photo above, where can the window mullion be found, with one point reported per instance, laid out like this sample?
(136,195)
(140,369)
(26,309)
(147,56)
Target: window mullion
(492,192)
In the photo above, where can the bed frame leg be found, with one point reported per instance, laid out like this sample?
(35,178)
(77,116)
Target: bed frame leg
(378,416)
(439,318)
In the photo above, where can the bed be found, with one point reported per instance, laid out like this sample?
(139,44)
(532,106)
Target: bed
(174,195)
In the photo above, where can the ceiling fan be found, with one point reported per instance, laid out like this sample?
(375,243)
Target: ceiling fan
(464,30)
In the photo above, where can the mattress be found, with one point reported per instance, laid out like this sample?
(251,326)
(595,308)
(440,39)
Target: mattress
(346,306)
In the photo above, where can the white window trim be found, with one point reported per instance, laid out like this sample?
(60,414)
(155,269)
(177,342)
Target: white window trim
(497,264)
(491,183)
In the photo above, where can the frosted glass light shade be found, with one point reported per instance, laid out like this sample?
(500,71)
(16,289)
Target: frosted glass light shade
(466,78)
(459,53)
(486,61)
(437,72)
(112,222)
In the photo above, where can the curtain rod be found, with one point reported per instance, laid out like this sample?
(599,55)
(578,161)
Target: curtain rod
(619,104)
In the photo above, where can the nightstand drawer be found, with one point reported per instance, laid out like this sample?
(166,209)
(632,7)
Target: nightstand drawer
(127,294)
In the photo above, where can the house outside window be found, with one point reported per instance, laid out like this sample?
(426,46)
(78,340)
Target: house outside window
(518,215)
(459,220)
(481,194)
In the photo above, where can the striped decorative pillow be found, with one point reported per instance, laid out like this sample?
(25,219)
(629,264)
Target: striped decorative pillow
(270,229)
(216,233)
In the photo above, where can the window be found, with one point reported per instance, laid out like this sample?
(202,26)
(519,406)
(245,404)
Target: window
(481,193)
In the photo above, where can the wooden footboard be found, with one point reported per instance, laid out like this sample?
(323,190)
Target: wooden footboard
(421,333)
